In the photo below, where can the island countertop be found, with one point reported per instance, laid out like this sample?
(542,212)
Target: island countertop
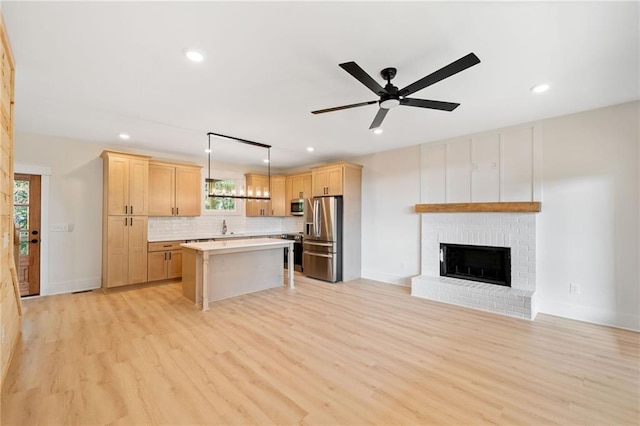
(237,245)
(233,267)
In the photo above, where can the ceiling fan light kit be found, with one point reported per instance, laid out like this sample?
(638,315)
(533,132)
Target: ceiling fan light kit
(391,96)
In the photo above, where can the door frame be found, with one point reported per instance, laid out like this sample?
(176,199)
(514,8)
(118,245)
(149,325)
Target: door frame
(45,174)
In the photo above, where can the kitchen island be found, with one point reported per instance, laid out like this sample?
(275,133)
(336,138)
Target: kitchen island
(218,270)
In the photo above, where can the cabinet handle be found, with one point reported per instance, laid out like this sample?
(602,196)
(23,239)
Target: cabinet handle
(125,221)
(170,255)
(173,210)
(131,208)
(177,211)
(165,255)
(126,209)
(130,221)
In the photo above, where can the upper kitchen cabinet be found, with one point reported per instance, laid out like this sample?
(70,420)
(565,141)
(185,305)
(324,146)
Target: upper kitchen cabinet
(278,196)
(174,189)
(330,179)
(300,186)
(257,186)
(297,187)
(125,184)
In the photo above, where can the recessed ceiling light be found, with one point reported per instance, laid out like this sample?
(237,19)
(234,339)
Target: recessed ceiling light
(540,88)
(310,149)
(378,131)
(195,56)
(124,136)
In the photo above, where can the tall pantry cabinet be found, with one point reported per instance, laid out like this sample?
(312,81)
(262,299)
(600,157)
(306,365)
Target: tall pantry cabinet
(125,218)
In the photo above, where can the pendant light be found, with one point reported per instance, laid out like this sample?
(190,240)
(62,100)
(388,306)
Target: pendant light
(263,194)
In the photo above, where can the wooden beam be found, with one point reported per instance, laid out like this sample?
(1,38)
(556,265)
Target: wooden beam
(514,207)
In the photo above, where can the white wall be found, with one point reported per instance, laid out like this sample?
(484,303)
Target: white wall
(390,228)
(588,228)
(75,198)
(587,231)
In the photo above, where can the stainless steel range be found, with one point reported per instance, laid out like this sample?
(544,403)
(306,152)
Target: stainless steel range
(297,251)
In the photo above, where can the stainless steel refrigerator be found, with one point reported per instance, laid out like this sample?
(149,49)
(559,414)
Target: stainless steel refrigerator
(322,242)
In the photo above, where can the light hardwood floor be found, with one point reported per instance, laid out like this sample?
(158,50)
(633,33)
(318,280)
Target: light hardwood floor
(356,353)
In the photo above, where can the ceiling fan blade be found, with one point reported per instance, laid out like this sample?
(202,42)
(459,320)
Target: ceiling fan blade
(320,111)
(364,78)
(453,68)
(377,121)
(424,103)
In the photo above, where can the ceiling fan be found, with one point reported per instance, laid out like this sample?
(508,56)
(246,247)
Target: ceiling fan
(391,96)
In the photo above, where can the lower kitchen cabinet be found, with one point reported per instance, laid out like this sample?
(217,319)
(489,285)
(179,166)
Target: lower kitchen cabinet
(164,260)
(125,255)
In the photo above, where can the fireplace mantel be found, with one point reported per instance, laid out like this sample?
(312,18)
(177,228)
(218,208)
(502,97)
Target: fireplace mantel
(512,207)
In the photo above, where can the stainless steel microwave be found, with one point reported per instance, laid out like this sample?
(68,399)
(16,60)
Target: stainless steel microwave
(297,207)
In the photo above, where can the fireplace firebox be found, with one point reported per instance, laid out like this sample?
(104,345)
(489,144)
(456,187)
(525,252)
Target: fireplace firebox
(476,263)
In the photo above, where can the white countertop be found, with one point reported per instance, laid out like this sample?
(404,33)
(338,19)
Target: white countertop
(237,245)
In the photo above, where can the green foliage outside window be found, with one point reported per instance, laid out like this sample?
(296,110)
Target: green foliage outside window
(224,186)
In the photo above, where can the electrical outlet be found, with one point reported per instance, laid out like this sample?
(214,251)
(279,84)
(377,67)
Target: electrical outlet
(62,227)
(574,288)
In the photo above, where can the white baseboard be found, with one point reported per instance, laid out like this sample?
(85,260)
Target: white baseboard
(589,314)
(62,287)
(387,278)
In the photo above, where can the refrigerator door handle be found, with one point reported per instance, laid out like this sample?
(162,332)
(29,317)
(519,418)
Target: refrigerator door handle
(310,253)
(312,243)
(319,218)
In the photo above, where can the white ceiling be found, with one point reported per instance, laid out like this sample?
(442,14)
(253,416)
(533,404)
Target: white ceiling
(90,71)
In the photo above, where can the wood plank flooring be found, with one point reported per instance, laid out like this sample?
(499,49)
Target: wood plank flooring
(356,353)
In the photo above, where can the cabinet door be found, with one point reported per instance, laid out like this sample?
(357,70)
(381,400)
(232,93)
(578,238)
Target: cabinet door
(306,185)
(288,194)
(137,252)
(485,169)
(157,265)
(278,207)
(256,186)
(334,181)
(174,264)
(459,172)
(161,190)
(118,186)
(117,251)
(138,187)
(297,187)
(517,165)
(319,182)
(188,191)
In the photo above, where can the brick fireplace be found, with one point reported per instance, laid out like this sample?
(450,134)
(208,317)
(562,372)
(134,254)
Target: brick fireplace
(516,231)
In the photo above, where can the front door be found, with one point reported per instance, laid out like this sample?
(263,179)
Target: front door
(26,209)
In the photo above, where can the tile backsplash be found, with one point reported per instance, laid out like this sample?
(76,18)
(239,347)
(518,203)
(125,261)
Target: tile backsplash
(205,226)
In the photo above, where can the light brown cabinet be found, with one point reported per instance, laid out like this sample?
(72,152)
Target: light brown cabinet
(125,255)
(328,180)
(124,220)
(126,179)
(278,197)
(174,189)
(297,187)
(164,260)
(257,185)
